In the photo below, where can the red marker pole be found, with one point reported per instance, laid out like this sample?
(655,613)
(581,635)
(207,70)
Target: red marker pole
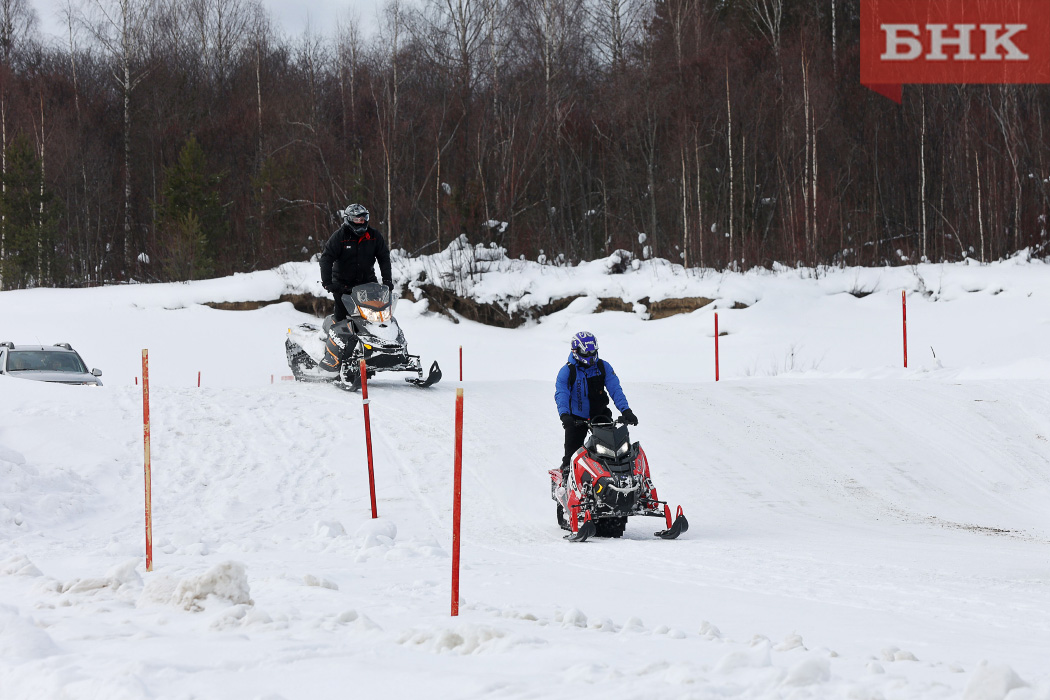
(148,479)
(457,492)
(716,346)
(904,319)
(198,380)
(368,438)
(461,363)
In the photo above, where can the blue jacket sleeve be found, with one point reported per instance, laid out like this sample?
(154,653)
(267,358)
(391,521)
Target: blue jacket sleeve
(612,384)
(561,390)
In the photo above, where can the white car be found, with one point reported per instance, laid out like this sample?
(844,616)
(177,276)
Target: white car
(46,363)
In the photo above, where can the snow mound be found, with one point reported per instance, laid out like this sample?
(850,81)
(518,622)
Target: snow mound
(792,641)
(604,624)
(348,618)
(671,632)
(311,580)
(239,616)
(375,533)
(992,682)
(11,456)
(328,529)
(21,639)
(709,631)
(226,582)
(895,654)
(19,565)
(809,672)
(573,618)
(119,577)
(633,624)
(756,657)
(464,639)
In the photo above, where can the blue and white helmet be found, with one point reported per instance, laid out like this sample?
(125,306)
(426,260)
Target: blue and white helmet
(585,348)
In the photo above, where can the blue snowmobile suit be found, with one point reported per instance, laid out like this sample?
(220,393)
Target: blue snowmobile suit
(586,397)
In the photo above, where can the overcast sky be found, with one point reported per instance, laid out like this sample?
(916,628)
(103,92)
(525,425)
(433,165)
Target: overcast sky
(291,15)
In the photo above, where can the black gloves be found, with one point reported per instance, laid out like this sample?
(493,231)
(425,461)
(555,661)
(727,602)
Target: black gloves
(566,420)
(629,418)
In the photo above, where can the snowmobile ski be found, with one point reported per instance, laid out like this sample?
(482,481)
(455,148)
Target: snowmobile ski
(679,526)
(586,530)
(433,377)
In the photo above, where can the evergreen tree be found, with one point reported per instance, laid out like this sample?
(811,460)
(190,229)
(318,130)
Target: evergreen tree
(29,219)
(190,218)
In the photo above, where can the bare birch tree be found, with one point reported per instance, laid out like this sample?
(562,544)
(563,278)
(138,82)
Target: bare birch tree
(616,24)
(118,27)
(386,98)
(768,16)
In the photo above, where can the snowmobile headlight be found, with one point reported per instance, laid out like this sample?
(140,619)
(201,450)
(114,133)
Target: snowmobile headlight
(374,316)
(623,448)
(603,450)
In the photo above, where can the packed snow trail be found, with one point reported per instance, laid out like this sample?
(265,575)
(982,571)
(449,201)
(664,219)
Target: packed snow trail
(905,543)
(866,534)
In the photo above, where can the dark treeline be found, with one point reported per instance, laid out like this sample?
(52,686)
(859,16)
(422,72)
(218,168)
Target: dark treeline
(178,139)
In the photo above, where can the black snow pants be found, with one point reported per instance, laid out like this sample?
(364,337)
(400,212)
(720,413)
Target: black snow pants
(574,437)
(340,312)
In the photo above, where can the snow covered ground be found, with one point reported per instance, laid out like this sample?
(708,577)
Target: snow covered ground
(858,530)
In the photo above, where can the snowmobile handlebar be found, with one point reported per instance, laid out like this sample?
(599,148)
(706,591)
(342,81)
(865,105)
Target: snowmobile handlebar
(597,420)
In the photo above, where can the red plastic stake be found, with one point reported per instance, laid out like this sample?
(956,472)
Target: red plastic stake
(716,346)
(145,438)
(904,318)
(368,438)
(198,380)
(461,363)
(457,492)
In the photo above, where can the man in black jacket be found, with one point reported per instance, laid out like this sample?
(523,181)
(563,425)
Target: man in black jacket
(350,256)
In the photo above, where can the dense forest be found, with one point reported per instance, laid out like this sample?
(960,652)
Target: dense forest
(180,139)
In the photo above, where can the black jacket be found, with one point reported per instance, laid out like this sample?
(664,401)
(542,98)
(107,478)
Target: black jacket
(349,259)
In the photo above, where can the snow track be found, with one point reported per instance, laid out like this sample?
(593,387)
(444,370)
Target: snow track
(925,544)
(859,537)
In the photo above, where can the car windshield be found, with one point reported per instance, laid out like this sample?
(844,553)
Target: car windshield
(372,296)
(44,361)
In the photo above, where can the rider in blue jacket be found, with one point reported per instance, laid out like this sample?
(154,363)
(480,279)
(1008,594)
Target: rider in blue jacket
(582,390)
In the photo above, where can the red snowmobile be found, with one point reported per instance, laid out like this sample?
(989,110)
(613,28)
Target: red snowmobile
(609,482)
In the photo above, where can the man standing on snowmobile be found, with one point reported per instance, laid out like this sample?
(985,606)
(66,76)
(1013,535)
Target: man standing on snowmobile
(350,256)
(582,390)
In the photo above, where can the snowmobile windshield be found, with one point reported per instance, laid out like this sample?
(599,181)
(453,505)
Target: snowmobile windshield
(373,302)
(611,441)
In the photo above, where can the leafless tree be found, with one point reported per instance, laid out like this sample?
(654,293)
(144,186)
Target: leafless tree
(221,30)
(768,15)
(119,26)
(617,24)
